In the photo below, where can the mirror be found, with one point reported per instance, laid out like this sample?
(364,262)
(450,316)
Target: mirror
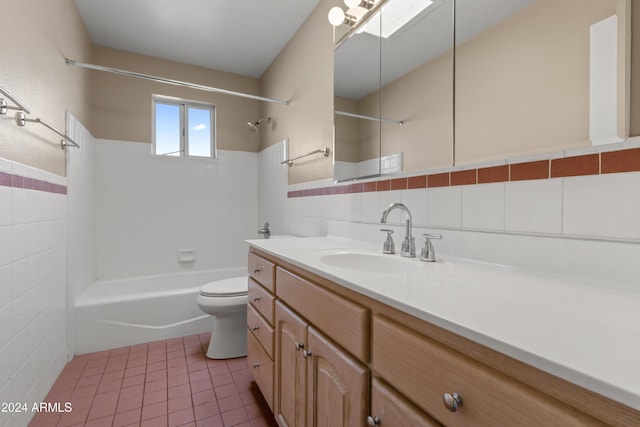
(531,77)
(395,75)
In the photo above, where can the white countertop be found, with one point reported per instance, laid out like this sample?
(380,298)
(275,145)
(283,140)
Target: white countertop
(587,335)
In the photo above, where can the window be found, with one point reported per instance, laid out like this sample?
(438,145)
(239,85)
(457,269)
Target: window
(183,128)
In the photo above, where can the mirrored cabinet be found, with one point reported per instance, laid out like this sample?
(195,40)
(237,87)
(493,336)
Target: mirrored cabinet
(437,83)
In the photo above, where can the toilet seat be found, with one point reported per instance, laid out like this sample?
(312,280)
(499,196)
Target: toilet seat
(233,287)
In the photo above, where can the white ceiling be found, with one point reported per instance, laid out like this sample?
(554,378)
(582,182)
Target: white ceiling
(237,36)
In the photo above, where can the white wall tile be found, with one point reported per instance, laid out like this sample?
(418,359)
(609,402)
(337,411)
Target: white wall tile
(18,206)
(5,287)
(444,207)
(385,198)
(416,201)
(18,242)
(483,207)
(5,249)
(602,206)
(370,207)
(5,205)
(272,187)
(354,207)
(34,254)
(148,207)
(534,206)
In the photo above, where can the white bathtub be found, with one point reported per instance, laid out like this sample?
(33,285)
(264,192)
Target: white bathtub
(117,313)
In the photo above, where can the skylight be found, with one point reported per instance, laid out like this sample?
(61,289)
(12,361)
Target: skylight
(397,15)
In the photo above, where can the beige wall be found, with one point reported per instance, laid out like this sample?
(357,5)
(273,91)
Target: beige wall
(303,73)
(520,90)
(121,106)
(37,36)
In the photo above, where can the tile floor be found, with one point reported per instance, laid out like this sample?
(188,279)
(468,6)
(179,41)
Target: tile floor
(162,383)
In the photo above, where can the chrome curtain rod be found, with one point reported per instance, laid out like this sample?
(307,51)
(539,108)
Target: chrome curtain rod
(4,107)
(375,119)
(22,120)
(325,152)
(173,82)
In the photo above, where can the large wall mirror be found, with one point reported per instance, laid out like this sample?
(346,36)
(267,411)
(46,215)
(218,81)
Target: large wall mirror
(530,77)
(394,77)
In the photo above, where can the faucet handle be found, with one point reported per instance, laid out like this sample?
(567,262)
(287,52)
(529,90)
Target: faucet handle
(388,247)
(265,230)
(428,254)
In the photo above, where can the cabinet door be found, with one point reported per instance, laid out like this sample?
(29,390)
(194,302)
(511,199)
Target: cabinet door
(337,384)
(290,368)
(389,409)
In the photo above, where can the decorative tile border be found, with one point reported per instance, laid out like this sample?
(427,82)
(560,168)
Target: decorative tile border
(18,181)
(626,160)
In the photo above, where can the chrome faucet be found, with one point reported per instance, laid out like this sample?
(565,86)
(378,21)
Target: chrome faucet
(408,244)
(265,231)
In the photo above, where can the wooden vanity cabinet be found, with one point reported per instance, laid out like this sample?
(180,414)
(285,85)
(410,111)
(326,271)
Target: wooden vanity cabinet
(337,385)
(290,398)
(260,321)
(340,358)
(389,408)
(316,382)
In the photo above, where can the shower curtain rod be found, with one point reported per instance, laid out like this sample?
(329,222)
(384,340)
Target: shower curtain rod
(362,116)
(172,82)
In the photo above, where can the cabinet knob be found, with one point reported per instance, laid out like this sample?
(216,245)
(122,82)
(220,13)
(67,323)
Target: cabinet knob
(256,365)
(257,270)
(306,353)
(255,327)
(256,299)
(452,401)
(373,421)
(299,346)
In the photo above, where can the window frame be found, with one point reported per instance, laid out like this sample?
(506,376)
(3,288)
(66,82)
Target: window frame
(184,105)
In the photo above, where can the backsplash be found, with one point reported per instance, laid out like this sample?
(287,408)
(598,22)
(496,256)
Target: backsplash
(557,223)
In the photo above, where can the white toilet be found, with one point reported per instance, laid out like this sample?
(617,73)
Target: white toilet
(226,301)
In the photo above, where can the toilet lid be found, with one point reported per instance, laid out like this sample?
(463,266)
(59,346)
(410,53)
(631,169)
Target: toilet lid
(233,287)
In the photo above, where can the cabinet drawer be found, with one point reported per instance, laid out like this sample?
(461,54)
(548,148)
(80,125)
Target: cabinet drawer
(260,329)
(261,300)
(348,323)
(261,367)
(391,409)
(423,370)
(262,271)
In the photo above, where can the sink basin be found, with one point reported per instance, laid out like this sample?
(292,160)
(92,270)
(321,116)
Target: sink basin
(371,262)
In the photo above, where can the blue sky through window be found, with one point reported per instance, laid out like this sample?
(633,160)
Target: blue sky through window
(199,132)
(167,129)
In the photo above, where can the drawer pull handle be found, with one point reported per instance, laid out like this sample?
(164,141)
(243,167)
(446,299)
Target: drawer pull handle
(255,328)
(373,421)
(299,346)
(256,365)
(452,401)
(257,270)
(256,299)
(306,353)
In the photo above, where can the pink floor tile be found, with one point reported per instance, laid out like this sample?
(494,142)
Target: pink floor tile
(154,410)
(162,383)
